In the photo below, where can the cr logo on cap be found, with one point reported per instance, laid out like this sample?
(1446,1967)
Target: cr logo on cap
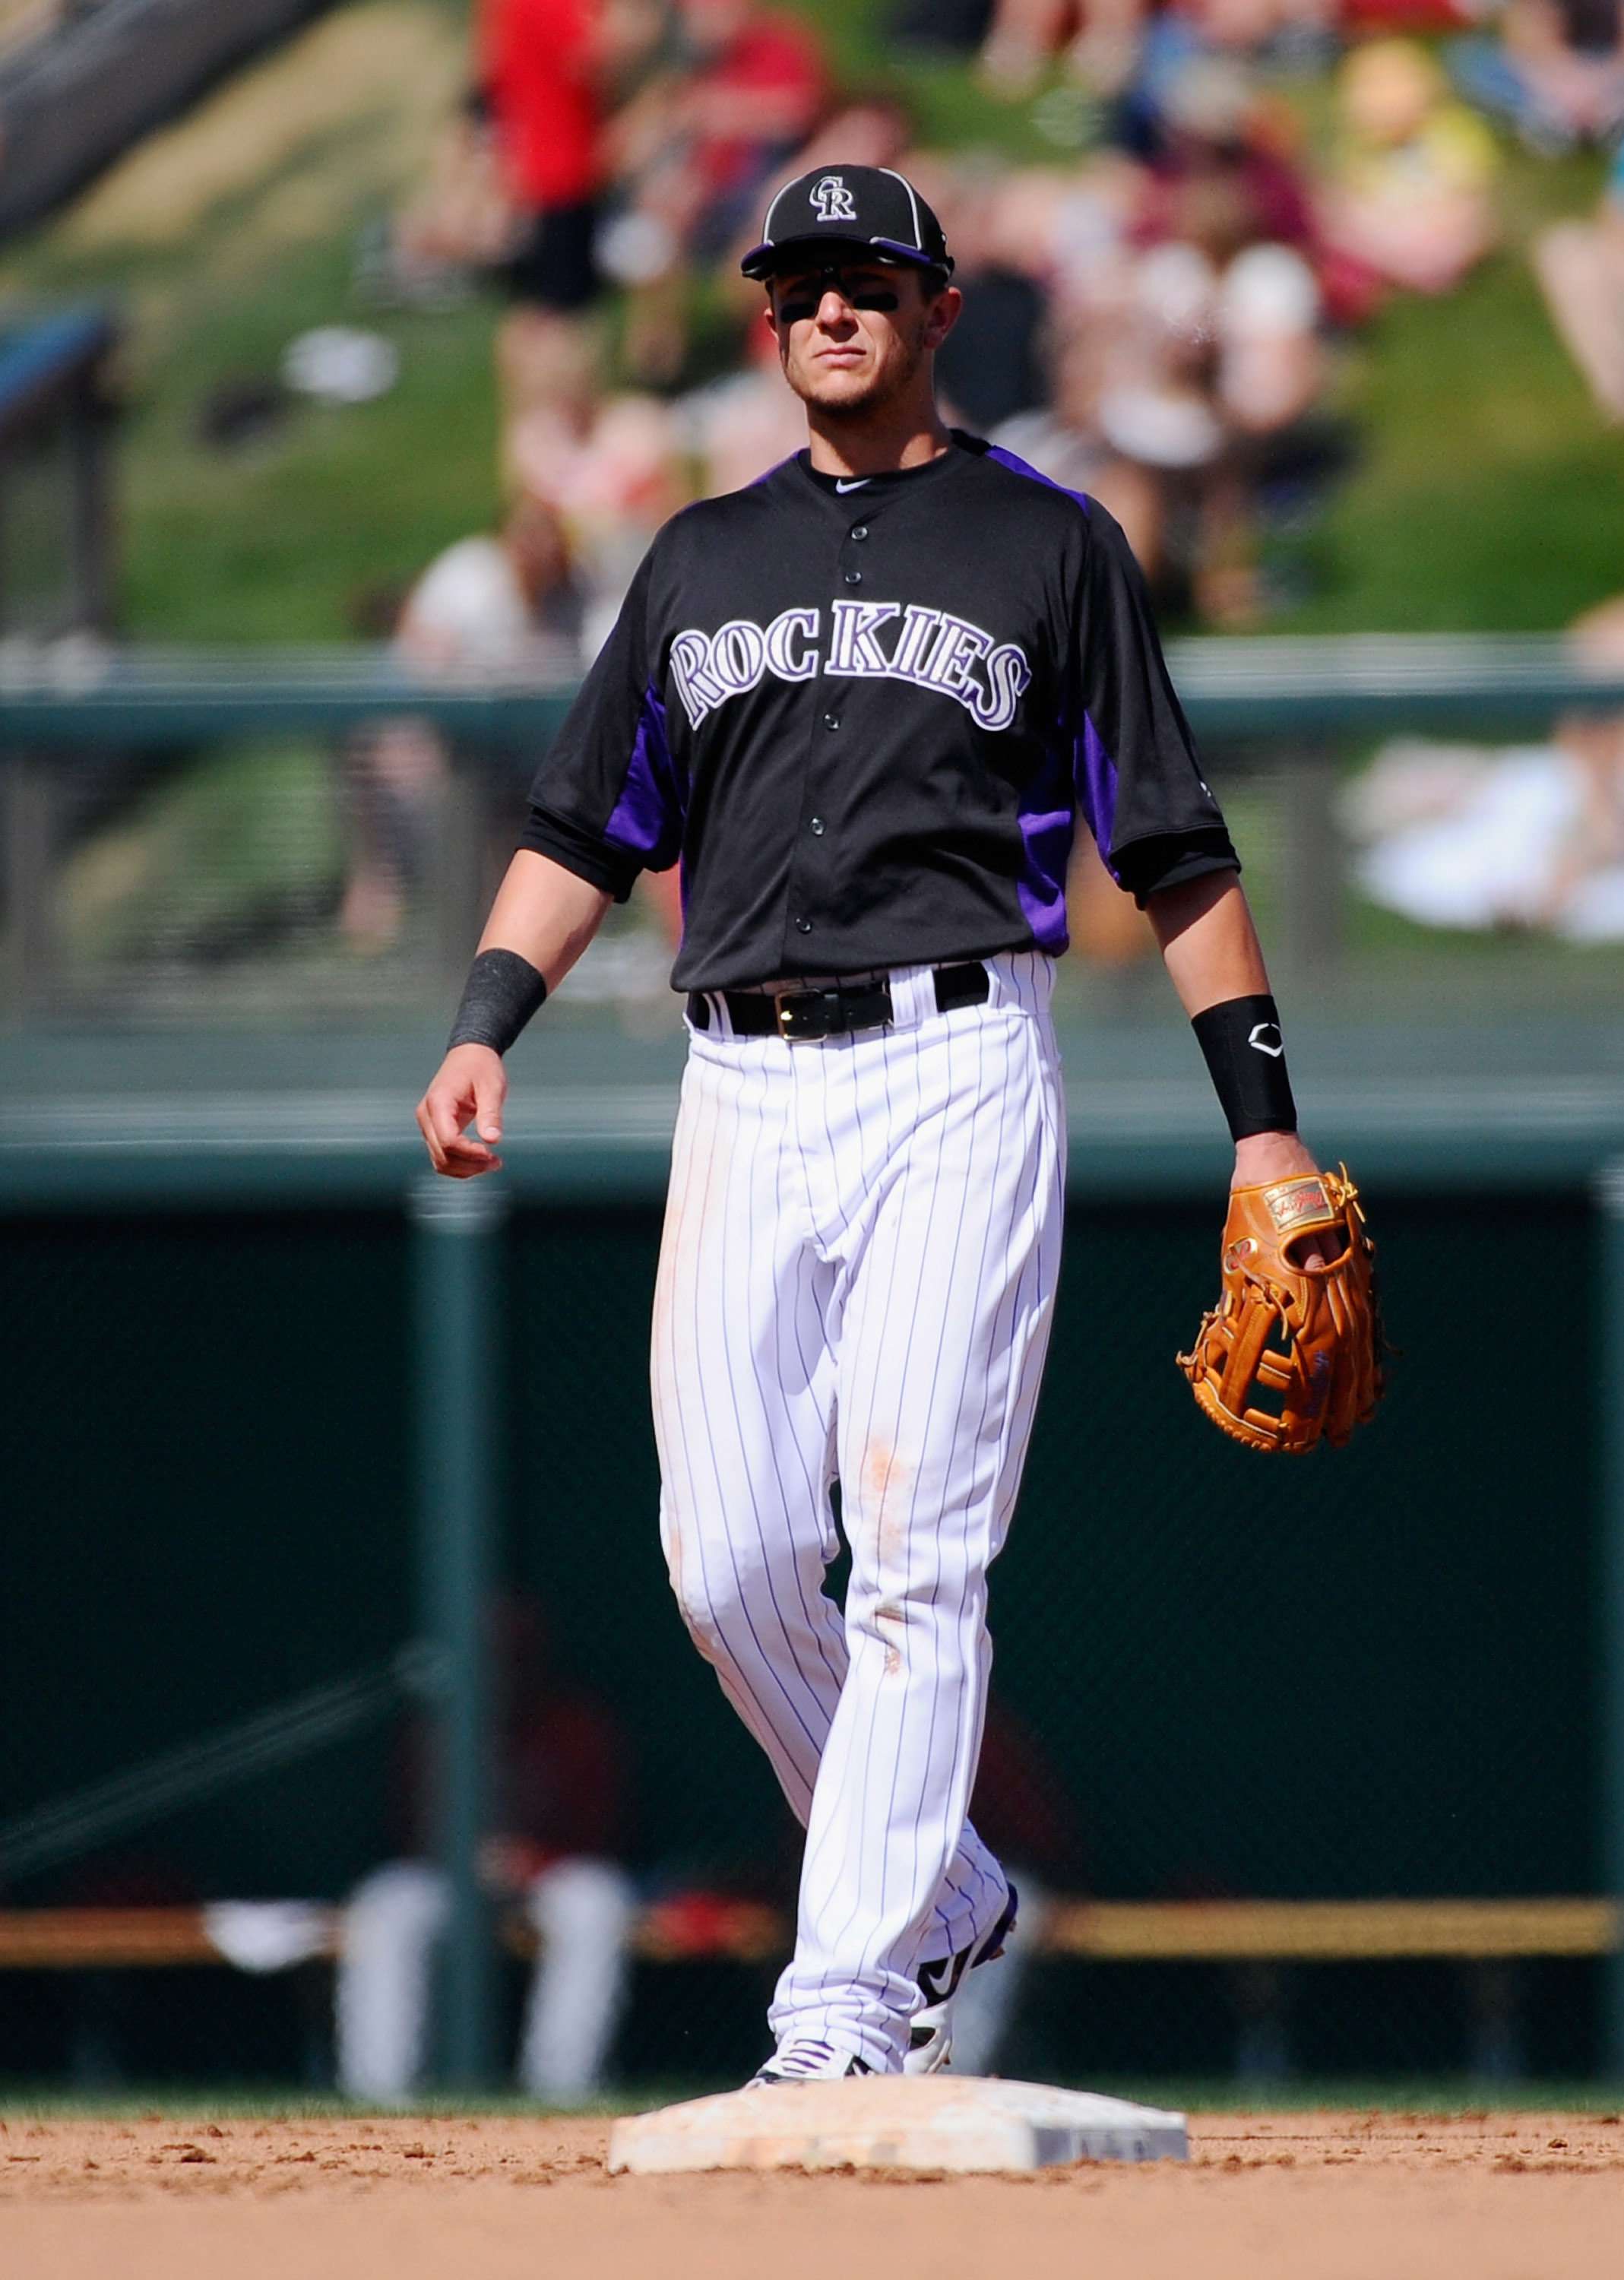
(833,200)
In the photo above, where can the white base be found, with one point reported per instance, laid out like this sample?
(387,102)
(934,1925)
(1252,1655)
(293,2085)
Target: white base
(894,2122)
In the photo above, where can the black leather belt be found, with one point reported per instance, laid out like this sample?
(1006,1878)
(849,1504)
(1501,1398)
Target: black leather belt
(837,1012)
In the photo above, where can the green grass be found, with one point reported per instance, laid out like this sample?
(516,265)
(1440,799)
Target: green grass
(281,542)
(284,544)
(1488,494)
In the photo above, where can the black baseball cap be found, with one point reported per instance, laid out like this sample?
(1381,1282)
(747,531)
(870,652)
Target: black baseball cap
(869,208)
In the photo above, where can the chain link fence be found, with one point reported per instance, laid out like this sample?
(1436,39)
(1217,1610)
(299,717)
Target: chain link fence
(1369,1674)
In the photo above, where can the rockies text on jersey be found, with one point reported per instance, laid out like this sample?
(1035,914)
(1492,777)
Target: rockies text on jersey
(863,713)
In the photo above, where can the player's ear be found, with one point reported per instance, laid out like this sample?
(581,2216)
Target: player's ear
(941,314)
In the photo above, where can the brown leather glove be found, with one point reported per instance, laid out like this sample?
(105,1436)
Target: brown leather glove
(1292,1351)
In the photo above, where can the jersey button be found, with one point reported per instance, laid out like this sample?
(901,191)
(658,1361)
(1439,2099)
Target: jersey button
(831,719)
(816,827)
(803,926)
(854,577)
(859,532)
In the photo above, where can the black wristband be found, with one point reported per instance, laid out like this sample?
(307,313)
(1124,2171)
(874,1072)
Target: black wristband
(501,991)
(1246,1057)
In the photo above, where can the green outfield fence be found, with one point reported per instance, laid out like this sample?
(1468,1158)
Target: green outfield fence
(276,1407)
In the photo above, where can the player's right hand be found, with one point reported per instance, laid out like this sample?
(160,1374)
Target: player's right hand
(470,1087)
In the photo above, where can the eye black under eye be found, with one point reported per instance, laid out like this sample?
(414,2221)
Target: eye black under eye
(795,308)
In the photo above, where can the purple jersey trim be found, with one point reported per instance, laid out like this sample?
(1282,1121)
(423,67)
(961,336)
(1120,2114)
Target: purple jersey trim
(1047,817)
(1095,772)
(652,808)
(1020,467)
(1093,769)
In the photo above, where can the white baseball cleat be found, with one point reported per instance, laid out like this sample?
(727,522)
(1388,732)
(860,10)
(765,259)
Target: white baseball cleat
(930,2046)
(807,2060)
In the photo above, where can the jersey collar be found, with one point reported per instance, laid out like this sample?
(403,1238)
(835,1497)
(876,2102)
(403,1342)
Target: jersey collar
(849,489)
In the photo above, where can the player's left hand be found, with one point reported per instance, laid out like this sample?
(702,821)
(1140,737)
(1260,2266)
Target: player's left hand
(1266,1156)
(1294,1350)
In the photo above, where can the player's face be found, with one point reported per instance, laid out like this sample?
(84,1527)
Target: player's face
(853,335)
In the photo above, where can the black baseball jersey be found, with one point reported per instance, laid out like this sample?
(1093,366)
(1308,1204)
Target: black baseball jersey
(862,714)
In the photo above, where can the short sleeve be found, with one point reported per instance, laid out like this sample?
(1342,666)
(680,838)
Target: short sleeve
(608,800)
(1139,778)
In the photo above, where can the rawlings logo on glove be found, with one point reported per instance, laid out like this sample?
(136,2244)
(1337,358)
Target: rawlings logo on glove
(1293,1349)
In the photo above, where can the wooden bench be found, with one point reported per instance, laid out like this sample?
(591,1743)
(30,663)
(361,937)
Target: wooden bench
(1329,1931)
(697,1927)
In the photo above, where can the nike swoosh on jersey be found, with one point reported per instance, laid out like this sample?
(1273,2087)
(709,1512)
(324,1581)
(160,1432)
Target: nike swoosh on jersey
(855,486)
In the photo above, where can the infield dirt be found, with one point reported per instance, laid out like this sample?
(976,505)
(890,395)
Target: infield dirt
(1317,2196)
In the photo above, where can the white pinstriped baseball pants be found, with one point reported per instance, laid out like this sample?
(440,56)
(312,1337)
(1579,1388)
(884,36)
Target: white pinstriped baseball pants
(857,1280)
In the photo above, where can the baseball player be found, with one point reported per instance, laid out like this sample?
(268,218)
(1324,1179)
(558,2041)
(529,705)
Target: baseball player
(862,703)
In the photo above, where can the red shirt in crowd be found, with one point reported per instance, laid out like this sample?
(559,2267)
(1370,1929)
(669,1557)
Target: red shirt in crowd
(766,86)
(537,63)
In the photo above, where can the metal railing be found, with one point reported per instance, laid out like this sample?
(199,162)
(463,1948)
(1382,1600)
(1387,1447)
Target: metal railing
(98,75)
(1287,709)
(78,693)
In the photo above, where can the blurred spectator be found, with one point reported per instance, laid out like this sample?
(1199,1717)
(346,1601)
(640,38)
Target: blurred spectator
(1181,334)
(1581,269)
(499,602)
(988,366)
(1236,34)
(612,480)
(742,425)
(539,63)
(754,96)
(1148,327)
(1418,18)
(1145,324)
(559,1815)
(693,153)
(955,26)
(1099,41)
(1270,364)
(516,179)
(506,604)
(1597,636)
(1224,170)
(1409,203)
(1556,73)
(461,218)
(1530,836)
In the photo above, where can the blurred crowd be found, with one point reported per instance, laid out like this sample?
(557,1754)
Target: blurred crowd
(1156,315)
